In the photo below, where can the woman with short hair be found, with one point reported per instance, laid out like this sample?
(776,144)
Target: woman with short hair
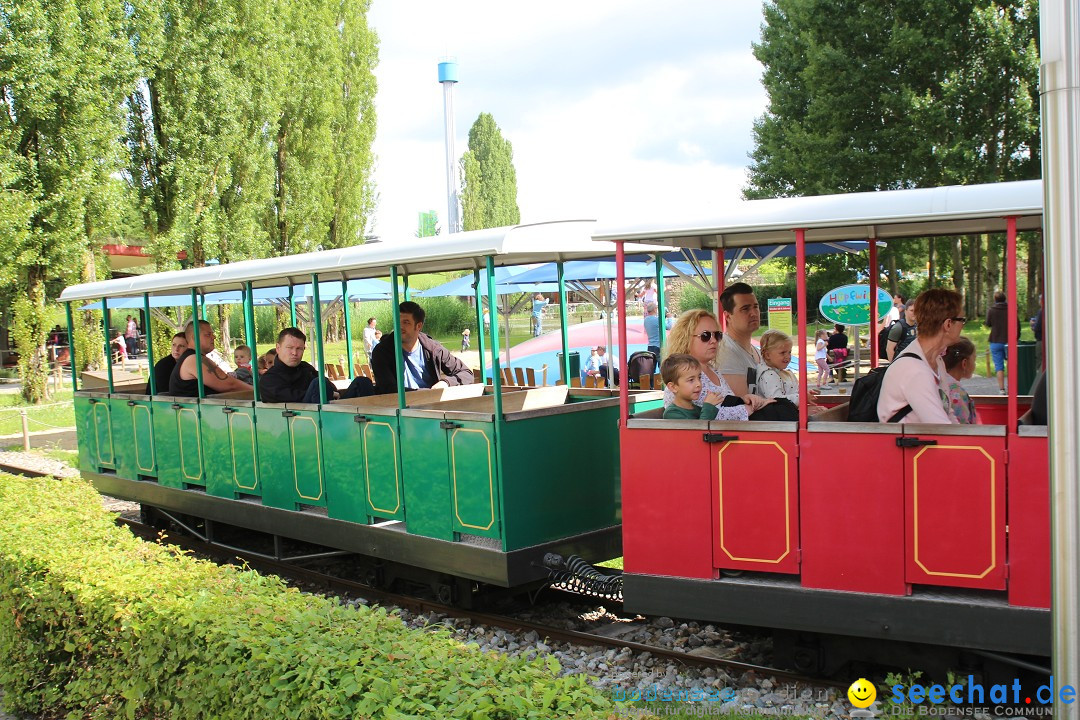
(912,388)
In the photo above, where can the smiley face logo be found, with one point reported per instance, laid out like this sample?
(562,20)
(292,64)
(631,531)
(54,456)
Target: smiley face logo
(862,693)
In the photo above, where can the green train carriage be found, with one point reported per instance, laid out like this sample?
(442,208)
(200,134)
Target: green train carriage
(472,482)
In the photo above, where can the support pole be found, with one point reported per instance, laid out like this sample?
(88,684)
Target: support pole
(800,309)
(496,370)
(481,341)
(149,344)
(249,334)
(563,317)
(1011,318)
(71,346)
(398,362)
(196,327)
(108,340)
(1059,86)
(316,315)
(624,379)
(872,327)
(348,326)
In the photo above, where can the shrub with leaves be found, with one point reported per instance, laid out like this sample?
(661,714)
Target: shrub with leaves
(95,623)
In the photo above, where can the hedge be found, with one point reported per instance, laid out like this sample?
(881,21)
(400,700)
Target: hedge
(95,623)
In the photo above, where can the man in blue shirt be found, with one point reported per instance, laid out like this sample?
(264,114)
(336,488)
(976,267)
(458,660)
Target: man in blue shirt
(652,328)
(425,363)
(539,303)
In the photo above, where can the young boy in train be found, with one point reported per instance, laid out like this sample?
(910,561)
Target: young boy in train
(682,376)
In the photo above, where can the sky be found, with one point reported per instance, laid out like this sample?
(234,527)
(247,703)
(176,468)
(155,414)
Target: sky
(617,111)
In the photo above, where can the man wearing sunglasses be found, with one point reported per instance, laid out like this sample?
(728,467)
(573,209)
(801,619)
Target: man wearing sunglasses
(737,358)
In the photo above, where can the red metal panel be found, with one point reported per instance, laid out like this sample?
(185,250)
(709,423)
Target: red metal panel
(997,413)
(1029,521)
(665,494)
(851,500)
(756,503)
(954,502)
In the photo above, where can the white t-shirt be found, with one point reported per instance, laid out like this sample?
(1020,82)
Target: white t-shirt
(821,351)
(369,339)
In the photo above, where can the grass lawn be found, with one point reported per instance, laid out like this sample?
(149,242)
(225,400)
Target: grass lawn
(58,412)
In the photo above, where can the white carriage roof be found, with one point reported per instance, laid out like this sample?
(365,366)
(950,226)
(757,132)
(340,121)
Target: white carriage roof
(513,245)
(888,214)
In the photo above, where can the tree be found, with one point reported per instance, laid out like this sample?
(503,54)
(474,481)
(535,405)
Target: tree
(64,70)
(489,186)
(871,96)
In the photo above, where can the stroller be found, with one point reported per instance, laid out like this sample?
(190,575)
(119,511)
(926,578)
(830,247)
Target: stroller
(641,363)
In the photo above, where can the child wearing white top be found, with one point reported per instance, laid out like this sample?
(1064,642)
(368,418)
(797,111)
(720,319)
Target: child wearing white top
(821,354)
(775,380)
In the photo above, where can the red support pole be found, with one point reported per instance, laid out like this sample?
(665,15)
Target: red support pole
(873,303)
(1014,334)
(800,308)
(624,375)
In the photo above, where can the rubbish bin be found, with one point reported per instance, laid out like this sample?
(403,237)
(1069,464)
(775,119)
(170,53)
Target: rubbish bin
(575,365)
(1026,367)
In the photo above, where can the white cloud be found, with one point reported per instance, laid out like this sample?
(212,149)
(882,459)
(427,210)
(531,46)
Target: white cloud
(614,109)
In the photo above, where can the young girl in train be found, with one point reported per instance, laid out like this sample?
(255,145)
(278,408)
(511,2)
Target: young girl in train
(775,379)
(959,365)
(821,354)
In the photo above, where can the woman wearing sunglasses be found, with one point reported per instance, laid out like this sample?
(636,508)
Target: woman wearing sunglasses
(697,333)
(912,390)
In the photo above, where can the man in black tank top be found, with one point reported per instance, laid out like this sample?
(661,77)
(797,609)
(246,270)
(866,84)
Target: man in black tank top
(184,381)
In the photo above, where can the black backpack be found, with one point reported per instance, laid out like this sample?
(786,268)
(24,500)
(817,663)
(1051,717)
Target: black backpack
(865,392)
(883,341)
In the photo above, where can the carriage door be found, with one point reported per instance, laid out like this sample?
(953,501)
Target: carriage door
(755,496)
(954,505)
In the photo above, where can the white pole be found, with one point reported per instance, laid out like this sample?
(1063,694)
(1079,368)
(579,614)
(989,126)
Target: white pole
(1060,88)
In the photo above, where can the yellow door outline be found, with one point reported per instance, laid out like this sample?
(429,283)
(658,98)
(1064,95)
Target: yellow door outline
(491,481)
(198,444)
(232,449)
(108,433)
(367,472)
(787,500)
(135,430)
(318,455)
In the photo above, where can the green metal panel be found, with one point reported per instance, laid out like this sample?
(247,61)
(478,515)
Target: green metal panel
(229,444)
(275,457)
(244,455)
(167,443)
(123,436)
(557,494)
(102,424)
(219,465)
(426,477)
(382,473)
(84,425)
(189,434)
(142,424)
(473,479)
(307,458)
(363,474)
(344,467)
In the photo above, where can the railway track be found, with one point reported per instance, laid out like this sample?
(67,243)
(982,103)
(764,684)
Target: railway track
(353,589)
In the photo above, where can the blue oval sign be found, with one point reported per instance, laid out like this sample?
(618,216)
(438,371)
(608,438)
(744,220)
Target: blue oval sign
(850,304)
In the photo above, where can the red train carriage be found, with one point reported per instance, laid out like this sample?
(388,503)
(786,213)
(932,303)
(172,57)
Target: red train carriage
(924,533)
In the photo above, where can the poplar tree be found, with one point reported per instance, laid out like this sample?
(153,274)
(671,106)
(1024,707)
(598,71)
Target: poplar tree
(489,187)
(64,70)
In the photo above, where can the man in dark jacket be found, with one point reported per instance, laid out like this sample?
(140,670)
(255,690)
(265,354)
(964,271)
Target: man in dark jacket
(290,379)
(424,364)
(997,319)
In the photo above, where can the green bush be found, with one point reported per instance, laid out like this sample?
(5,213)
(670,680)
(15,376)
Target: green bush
(95,623)
(446,316)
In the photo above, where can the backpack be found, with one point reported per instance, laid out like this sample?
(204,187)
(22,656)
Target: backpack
(865,392)
(883,340)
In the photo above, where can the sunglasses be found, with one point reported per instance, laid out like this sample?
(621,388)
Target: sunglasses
(708,335)
(960,320)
